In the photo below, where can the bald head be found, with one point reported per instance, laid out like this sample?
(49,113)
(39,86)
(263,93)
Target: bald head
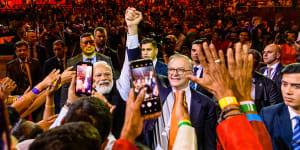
(271,54)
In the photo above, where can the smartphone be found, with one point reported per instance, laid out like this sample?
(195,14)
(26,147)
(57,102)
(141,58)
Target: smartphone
(143,75)
(84,79)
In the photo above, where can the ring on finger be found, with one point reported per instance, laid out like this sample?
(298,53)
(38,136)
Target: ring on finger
(217,61)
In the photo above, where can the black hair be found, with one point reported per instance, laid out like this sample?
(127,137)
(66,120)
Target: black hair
(256,55)
(150,40)
(21,43)
(13,115)
(24,130)
(291,68)
(75,136)
(59,42)
(92,110)
(86,35)
(198,42)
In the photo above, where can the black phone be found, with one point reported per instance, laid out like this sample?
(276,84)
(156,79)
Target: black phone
(84,79)
(143,75)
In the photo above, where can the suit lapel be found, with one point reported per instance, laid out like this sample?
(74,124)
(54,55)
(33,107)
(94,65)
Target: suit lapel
(259,89)
(195,108)
(285,126)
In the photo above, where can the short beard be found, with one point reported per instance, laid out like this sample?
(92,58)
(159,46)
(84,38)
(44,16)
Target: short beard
(104,89)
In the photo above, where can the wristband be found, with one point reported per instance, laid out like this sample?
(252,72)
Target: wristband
(184,122)
(50,106)
(68,104)
(225,101)
(35,91)
(253,117)
(248,106)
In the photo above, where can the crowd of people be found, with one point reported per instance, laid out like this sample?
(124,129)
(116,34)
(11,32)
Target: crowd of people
(226,80)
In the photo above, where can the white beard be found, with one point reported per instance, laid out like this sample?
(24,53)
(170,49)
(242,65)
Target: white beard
(104,89)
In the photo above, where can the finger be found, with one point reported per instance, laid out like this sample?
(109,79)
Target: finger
(52,72)
(208,54)
(222,58)
(194,79)
(238,59)
(250,64)
(68,69)
(245,56)
(52,117)
(213,51)
(139,14)
(202,59)
(72,85)
(230,60)
(181,98)
(131,98)
(151,116)
(140,98)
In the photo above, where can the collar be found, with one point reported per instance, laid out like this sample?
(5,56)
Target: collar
(86,57)
(188,95)
(292,113)
(273,66)
(26,60)
(154,62)
(199,66)
(97,49)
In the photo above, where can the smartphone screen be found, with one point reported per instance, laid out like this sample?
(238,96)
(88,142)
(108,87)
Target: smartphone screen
(84,78)
(143,75)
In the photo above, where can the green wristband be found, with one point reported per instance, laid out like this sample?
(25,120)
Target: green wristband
(184,123)
(248,107)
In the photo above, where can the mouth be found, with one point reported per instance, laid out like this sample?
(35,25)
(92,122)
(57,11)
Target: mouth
(288,99)
(104,84)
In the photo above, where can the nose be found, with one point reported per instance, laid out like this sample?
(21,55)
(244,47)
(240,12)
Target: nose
(288,90)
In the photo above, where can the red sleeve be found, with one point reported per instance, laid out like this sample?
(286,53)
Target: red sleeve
(236,133)
(121,144)
(262,134)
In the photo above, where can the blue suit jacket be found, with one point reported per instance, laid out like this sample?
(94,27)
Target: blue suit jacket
(278,123)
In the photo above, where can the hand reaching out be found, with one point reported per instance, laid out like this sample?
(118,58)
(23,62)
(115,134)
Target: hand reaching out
(7,85)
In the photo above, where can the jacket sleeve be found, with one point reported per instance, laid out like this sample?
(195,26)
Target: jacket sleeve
(121,144)
(186,138)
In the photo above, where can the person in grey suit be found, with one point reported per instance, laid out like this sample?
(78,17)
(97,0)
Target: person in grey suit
(87,45)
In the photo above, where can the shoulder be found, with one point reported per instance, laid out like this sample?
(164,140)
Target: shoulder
(101,56)
(111,50)
(50,60)
(272,111)
(12,62)
(262,69)
(33,60)
(75,59)
(260,77)
(202,98)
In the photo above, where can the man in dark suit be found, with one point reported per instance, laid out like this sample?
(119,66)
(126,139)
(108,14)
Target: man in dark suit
(201,109)
(100,35)
(87,45)
(115,91)
(24,70)
(271,56)
(197,68)
(281,119)
(264,90)
(36,50)
(59,61)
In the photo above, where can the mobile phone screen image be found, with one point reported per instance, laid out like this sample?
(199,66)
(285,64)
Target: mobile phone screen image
(84,78)
(143,75)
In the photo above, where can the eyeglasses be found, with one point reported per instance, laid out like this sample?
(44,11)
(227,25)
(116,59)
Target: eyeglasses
(180,71)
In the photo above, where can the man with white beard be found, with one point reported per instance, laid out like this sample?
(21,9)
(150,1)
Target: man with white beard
(113,91)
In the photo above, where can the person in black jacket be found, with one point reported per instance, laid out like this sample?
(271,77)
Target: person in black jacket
(264,90)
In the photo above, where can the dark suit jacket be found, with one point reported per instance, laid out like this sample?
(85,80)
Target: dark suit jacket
(114,98)
(72,62)
(202,115)
(266,92)
(15,73)
(277,76)
(50,64)
(278,123)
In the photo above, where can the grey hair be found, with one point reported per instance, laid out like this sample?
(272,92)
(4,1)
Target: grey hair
(177,55)
(102,63)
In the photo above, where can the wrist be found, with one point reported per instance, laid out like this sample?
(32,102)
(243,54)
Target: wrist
(125,134)
(225,93)
(132,30)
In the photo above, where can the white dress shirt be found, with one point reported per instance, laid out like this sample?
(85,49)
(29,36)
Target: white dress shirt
(292,117)
(274,68)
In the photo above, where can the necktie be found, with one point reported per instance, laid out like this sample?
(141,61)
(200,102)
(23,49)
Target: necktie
(193,85)
(61,66)
(296,134)
(90,60)
(269,72)
(174,123)
(24,70)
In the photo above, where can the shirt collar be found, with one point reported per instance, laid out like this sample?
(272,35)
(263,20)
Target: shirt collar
(154,62)
(188,95)
(92,57)
(292,113)
(273,66)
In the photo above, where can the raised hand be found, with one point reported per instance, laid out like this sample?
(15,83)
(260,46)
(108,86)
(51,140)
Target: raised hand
(67,75)
(216,78)
(54,86)
(133,124)
(133,18)
(7,85)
